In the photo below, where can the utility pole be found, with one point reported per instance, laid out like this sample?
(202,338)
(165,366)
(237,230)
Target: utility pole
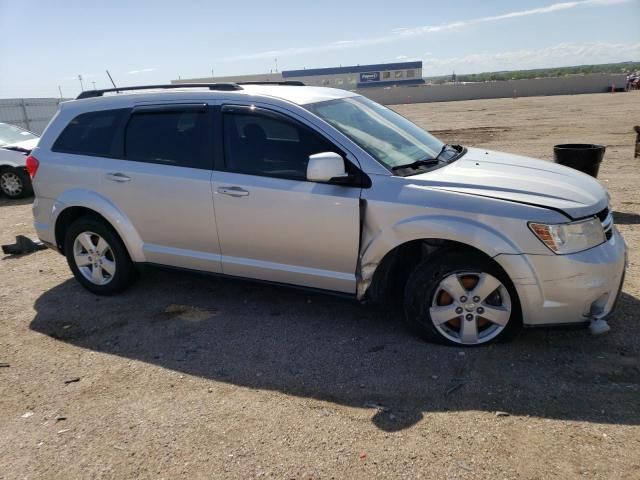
(81,85)
(212,75)
(276,60)
(94,85)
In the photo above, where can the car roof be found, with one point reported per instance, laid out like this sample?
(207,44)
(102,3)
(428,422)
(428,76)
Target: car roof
(300,95)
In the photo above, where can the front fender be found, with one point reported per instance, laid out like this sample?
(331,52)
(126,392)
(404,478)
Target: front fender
(376,244)
(103,206)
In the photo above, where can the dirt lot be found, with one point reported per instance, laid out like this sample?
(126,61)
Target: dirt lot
(188,376)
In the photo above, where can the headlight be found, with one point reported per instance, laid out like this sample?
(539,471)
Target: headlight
(563,238)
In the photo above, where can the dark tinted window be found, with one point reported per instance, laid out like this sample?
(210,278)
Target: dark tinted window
(167,137)
(269,145)
(91,133)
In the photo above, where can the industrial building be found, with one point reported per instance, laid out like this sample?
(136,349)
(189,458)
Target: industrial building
(348,78)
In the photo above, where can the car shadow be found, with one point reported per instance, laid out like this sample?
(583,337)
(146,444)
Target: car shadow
(621,218)
(12,202)
(335,350)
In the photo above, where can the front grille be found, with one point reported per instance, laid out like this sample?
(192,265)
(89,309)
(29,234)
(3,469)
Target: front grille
(607,222)
(603,214)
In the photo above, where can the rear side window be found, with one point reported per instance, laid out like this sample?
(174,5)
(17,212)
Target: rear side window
(92,133)
(170,137)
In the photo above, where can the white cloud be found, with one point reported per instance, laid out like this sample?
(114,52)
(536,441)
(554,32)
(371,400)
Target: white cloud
(142,70)
(404,32)
(559,55)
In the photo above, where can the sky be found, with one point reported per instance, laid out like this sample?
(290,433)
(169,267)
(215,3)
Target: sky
(45,45)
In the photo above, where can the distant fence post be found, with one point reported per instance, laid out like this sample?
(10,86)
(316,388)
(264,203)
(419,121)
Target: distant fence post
(24,114)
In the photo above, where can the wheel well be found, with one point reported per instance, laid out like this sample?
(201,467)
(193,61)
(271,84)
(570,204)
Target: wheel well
(390,277)
(70,215)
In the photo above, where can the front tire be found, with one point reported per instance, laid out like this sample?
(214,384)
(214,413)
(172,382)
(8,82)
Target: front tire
(462,299)
(15,183)
(97,257)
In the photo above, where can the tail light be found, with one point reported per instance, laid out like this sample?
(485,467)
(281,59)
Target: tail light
(32,165)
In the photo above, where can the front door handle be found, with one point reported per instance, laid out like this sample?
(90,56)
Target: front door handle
(233,191)
(118,177)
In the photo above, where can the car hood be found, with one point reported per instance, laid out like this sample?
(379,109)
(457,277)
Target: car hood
(519,179)
(27,145)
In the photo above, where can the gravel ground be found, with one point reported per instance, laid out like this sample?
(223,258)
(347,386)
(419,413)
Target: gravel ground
(189,376)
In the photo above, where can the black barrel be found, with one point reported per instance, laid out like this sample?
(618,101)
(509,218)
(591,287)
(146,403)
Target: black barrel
(584,157)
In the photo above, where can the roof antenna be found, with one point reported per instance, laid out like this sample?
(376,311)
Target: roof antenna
(112,82)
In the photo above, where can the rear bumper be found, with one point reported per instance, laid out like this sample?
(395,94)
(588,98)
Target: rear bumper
(43,220)
(568,289)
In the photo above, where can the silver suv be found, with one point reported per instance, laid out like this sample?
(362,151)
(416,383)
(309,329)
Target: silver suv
(325,189)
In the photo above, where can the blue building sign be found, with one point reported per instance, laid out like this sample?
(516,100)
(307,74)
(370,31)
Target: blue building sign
(369,77)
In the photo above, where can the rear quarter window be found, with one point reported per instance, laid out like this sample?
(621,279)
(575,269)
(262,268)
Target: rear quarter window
(91,133)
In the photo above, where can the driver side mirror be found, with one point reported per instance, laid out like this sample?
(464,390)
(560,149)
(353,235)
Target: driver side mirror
(323,167)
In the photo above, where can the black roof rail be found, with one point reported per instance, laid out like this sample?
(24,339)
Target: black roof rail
(292,83)
(210,86)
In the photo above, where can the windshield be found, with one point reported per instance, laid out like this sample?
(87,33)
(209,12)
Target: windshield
(385,135)
(12,134)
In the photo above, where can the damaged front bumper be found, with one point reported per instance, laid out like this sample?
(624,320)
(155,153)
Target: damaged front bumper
(568,289)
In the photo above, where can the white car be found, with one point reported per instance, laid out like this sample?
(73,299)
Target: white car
(15,145)
(323,188)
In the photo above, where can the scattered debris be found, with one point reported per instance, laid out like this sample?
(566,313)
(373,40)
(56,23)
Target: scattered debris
(502,414)
(60,418)
(64,430)
(598,327)
(454,387)
(72,380)
(377,348)
(363,455)
(27,414)
(188,313)
(377,406)
(4,365)
(23,245)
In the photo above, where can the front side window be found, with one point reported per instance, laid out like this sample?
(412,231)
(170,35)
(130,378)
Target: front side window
(92,133)
(171,137)
(387,136)
(268,144)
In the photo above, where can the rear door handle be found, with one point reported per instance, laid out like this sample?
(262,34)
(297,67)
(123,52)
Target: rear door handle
(118,177)
(233,191)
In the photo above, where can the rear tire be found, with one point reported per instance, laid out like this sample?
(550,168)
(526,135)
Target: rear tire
(15,183)
(462,299)
(97,256)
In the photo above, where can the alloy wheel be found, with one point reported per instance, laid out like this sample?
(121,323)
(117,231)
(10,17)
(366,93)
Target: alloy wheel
(94,258)
(470,307)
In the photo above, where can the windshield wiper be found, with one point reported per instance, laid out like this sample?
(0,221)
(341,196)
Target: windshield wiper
(417,163)
(458,149)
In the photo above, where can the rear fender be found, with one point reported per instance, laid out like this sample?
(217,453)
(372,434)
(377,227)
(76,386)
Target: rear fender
(103,206)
